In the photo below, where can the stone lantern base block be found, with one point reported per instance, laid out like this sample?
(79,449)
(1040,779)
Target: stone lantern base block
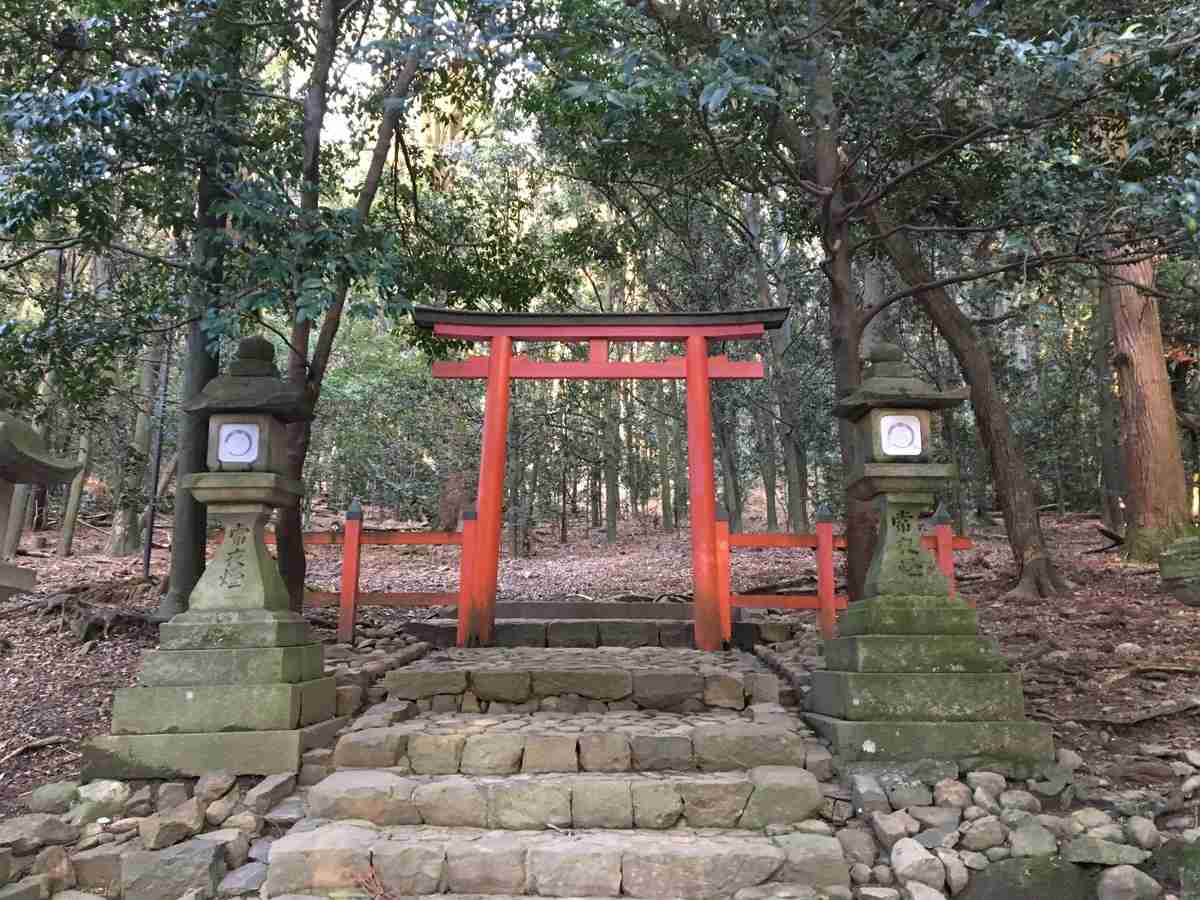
(909,614)
(927,653)
(1179,567)
(177,755)
(233,629)
(254,665)
(907,696)
(1015,744)
(223,707)
(15,580)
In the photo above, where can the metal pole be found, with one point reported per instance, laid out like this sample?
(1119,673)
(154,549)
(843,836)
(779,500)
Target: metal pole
(164,371)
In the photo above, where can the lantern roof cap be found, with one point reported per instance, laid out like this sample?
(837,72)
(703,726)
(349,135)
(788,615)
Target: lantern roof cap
(253,385)
(890,382)
(24,458)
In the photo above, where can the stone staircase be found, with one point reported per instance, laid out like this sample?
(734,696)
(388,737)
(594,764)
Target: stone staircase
(566,623)
(649,772)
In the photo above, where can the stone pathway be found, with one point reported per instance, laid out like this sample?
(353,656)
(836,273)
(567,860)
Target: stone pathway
(653,773)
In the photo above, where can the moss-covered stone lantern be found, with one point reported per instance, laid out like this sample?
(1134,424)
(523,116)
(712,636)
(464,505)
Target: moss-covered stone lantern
(238,681)
(24,459)
(894,464)
(909,677)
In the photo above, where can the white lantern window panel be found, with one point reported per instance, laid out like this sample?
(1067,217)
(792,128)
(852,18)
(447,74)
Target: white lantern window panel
(900,435)
(238,442)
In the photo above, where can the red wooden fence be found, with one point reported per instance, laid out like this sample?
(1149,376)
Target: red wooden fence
(942,543)
(353,537)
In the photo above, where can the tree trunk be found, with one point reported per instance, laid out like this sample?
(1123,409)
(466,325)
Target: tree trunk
(124,538)
(595,478)
(1038,577)
(845,318)
(663,447)
(767,464)
(1156,499)
(164,480)
(679,457)
(66,536)
(795,459)
(612,462)
(1112,484)
(731,487)
(17,509)
(289,530)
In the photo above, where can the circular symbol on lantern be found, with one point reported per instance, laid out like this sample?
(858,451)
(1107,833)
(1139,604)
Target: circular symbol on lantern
(901,436)
(239,443)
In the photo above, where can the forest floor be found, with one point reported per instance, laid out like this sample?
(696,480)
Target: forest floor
(51,686)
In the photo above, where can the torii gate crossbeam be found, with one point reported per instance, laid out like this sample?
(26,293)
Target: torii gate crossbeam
(480,575)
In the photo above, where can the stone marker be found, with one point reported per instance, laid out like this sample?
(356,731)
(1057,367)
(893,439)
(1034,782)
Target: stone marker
(24,460)
(238,681)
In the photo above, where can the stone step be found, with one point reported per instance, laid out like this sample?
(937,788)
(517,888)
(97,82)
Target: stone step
(587,609)
(559,742)
(750,800)
(660,678)
(414,860)
(589,631)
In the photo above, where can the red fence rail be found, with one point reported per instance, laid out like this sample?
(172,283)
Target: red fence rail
(352,538)
(826,601)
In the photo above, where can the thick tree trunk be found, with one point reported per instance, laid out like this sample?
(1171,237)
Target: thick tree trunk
(1038,577)
(1156,492)
(189,534)
(845,318)
(66,535)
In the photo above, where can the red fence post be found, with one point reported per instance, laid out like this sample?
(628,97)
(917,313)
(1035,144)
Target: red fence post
(467,628)
(943,537)
(826,587)
(724,575)
(351,557)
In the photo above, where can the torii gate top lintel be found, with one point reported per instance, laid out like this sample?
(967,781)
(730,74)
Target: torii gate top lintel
(634,326)
(478,594)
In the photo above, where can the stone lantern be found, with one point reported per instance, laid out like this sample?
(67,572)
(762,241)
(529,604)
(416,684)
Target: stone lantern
(894,464)
(909,677)
(238,680)
(24,460)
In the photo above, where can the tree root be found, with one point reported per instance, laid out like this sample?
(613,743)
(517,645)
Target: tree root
(88,611)
(1039,579)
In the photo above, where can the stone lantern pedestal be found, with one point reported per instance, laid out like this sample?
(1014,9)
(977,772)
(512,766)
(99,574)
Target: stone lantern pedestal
(237,682)
(24,460)
(909,677)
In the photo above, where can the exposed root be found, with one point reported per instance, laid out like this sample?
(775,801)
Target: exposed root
(1039,578)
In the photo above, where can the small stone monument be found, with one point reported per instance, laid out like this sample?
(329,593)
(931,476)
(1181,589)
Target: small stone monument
(910,678)
(24,460)
(1179,568)
(238,682)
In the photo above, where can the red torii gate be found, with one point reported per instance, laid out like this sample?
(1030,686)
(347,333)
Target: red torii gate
(476,611)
